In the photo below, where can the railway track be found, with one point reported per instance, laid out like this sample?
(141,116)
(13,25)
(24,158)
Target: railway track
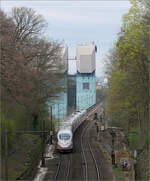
(90,165)
(67,163)
(94,108)
(64,167)
(88,157)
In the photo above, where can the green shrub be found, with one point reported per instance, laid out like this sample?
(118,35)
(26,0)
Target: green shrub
(133,138)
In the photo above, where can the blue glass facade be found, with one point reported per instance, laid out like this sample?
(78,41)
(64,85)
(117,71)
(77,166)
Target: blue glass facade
(85,90)
(59,104)
(82,96)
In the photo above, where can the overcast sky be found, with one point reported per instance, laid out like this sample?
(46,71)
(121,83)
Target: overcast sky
(79,22)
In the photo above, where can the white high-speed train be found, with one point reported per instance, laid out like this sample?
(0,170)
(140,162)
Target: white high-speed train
(67,129)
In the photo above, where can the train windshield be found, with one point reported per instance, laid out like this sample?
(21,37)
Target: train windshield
(64,136)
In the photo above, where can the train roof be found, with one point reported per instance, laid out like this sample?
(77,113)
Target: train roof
(67,123)
(65,126)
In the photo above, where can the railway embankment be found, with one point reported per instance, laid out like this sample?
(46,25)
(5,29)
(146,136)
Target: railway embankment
(22,158)
(123,165)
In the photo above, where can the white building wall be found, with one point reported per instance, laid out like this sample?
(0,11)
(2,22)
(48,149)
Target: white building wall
(64,60)
(93,61)
(84,64)
(85,58)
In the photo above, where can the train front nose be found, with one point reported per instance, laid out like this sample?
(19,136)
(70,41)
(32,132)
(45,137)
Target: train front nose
(64,140)
(63,146)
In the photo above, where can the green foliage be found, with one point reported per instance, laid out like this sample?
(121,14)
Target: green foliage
(128,94)
(100,95)
(128,81)
(11,127)
(35,151)
(23,161)
(147,178)
(28,77)
(133,139)
(119,174)
(146,140)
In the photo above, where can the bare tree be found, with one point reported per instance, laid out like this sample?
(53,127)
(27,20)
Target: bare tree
(27,60)
(28,23)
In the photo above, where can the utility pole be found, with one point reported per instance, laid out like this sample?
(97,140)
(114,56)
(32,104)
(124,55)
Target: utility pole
(6,154)
(58,113)
(51,131)
(43,143)
(113,148)
(113,134)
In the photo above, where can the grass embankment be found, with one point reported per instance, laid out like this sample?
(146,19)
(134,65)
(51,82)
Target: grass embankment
(142,168)
(23,149)
(119,174)
(23,158)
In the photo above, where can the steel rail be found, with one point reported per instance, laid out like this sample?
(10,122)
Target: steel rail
(92,154)
(59,167)
(96,165)
(94,108)
(68,168)
(83,153)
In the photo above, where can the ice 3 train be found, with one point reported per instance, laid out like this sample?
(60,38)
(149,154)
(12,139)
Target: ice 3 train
(67,129)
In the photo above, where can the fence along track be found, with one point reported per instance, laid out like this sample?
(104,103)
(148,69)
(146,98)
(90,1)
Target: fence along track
(92,154)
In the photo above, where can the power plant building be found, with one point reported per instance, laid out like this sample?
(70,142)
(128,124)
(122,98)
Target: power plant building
(85,78)
(80,89)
